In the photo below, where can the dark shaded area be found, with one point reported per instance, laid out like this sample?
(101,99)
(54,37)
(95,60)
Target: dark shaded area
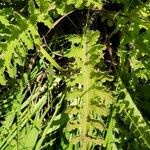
(18,5)
(71,24)
(111,41)
(113,6)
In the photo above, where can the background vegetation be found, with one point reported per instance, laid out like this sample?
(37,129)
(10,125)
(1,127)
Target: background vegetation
(74,74)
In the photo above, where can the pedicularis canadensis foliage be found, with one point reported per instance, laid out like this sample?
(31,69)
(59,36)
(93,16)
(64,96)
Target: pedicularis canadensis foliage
(74,74)
(89,99)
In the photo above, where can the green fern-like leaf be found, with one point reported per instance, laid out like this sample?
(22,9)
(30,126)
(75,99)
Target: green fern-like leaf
(135,118)
(41,14)
(134,70)
(13,49)
(89,99)
(19,34)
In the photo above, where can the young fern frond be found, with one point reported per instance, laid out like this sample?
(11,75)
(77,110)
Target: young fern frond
(88,99)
